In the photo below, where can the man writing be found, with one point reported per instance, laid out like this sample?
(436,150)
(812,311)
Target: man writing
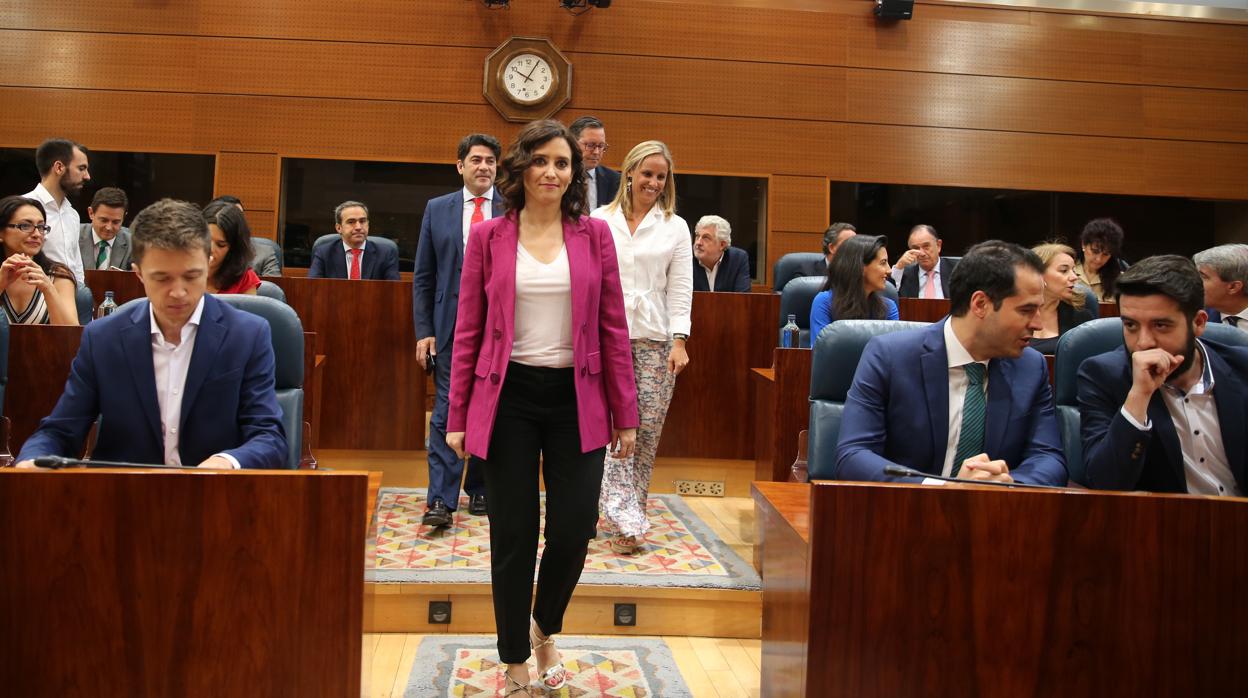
(965,397)
(183,379)
(104,243)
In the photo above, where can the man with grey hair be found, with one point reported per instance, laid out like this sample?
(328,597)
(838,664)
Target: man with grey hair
(180,379)
(1224,272)
(717,266)
(354,256)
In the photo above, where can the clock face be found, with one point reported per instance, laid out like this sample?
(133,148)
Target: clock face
(528,78)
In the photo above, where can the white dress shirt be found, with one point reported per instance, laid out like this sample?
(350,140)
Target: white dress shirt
(61,243)
(1195,416)
(959,357)
(937,290)
(656,272)
(346,251)
(543,333)
(108,249)
(710,273)
(170,363)
(487,207)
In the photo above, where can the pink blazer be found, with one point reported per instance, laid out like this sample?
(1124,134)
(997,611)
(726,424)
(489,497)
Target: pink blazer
(606,392)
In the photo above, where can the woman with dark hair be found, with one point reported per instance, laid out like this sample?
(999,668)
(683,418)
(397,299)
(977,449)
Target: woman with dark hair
(34,290)
(229,266)
(1063,307)
(540,373)
(855,284)
(1100,257)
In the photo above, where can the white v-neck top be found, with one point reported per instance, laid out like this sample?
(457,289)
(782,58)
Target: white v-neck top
(543,311)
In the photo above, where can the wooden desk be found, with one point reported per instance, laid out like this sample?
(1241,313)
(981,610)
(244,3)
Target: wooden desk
(900,590)
(781,411)
(922,310)
(183,583)
(710,411)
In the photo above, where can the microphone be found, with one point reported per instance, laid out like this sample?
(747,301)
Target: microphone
(903,471)
(58,462)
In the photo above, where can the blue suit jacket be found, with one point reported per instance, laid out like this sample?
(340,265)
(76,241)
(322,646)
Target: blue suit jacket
(1117,456)
(607,181)
(733,274)
(379,263)
(439,259)
(228,404)
(897,411)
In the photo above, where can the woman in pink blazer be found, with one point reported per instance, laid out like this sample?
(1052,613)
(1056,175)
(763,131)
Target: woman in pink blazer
(541,370)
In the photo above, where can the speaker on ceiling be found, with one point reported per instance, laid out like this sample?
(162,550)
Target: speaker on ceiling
(894,9)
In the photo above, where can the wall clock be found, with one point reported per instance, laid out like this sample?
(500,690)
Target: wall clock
(527,79)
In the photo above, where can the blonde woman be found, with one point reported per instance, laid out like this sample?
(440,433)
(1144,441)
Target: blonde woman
(656,273)
(1064,301)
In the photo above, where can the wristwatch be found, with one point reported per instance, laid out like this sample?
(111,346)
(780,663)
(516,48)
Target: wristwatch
(678,335)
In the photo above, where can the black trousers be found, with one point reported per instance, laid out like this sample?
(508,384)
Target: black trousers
(536,423)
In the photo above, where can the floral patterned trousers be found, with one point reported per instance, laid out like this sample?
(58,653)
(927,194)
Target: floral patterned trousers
(626,481)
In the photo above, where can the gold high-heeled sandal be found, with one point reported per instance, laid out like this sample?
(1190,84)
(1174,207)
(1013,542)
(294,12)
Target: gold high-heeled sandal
(510,682)
(554,672)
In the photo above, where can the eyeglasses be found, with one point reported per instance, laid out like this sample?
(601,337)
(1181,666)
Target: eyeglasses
(601,147)
(27,228)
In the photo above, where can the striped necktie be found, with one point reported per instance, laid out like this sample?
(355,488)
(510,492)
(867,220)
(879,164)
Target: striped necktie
(974,409)
(103,255)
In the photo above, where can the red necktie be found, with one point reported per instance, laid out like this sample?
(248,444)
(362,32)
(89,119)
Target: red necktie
(478,213)
(355,263)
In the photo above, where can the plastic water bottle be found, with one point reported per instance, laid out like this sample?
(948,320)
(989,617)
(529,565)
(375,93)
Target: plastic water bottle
(108,307)
(789,335)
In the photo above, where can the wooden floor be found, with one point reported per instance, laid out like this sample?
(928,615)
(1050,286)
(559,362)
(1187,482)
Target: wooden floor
(711,667)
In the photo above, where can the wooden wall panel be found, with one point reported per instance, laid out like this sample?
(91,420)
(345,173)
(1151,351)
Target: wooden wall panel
(723,88)
(799,203)
(253,177)
(951,39)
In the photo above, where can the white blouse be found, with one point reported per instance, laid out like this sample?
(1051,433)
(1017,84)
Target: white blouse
(543,311)
(656,272)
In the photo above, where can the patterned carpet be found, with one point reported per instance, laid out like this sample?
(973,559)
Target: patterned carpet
(468,666)
(680,550)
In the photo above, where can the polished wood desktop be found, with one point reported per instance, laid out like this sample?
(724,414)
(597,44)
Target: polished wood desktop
(182,583)
(888,590)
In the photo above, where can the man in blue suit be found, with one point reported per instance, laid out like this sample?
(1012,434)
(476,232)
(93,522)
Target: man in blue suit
(1169,411)
(964,397)
(435,298)
(717,266)
(355,256)
(183,379)
(601,182)
(1224,271)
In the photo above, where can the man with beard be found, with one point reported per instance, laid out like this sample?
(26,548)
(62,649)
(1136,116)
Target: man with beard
(435,300)
(1168,412)
(63,171)
(964,397)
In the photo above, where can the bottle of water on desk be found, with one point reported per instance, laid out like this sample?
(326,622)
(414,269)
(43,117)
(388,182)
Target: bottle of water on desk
(108,307)
(789,335)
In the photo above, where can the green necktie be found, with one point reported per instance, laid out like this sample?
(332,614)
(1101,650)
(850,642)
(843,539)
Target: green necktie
(99,258)
(974,408)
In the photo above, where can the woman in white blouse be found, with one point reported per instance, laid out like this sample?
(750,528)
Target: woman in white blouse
(656,273)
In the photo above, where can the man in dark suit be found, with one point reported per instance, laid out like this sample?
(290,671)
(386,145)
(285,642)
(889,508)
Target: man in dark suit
(103,242)
(965,397)
(832,239)
(1168,412)
(435,297)
(1224,271)
(717,266)
(355,256)
(921,272)
(601,182)
(182,379)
